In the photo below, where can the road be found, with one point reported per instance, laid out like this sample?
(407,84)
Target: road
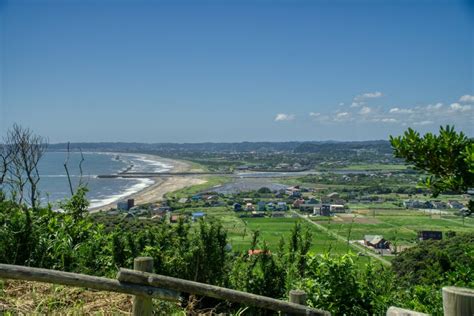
(339,237)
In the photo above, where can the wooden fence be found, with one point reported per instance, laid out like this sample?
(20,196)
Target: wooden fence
(145,285)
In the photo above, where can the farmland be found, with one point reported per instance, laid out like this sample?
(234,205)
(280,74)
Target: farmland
(272,230)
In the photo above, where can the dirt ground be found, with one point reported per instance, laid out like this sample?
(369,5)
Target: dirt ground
(354,218)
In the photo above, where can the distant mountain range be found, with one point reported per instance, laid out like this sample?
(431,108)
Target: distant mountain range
(290,147)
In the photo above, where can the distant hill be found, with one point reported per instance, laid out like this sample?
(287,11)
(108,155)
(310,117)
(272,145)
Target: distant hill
(289,147)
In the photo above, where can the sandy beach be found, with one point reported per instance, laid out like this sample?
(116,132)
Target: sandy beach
(161,185)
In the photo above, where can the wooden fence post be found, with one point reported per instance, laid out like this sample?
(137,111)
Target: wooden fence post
(458,301)
(142,306)
(297,297)
(397,311)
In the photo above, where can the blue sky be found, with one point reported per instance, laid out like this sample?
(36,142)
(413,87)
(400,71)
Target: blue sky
(162,71)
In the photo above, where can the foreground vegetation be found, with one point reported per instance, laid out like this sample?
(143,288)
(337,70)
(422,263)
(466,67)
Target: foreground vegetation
(72,241)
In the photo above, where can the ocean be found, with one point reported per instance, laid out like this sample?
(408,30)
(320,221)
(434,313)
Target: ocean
(54,186)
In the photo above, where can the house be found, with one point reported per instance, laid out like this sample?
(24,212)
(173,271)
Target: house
(183,200)
(455,204)
(198,215)
(324,210)
(376,241)
(261,206)
(237,207)
(438,205)
(253,252)
(430,234)
(258,214)
(298,202)
(122,206)
(337,208)
(293,191)
(196,198)
(308,207)
(281,206)
(271,206)
(176,218)
(125,205)
(249,207)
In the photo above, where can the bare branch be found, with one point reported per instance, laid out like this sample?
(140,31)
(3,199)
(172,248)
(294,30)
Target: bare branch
(80,167)
(67,170)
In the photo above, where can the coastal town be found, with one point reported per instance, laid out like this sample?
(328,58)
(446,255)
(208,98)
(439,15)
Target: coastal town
(340,213)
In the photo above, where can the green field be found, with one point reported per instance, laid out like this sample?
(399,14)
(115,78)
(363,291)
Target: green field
(398,227)
(240,230)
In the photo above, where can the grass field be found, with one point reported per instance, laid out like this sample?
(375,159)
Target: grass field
(240,230)
(399,226)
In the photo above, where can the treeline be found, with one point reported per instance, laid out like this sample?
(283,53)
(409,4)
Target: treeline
(73,241)
(381,146)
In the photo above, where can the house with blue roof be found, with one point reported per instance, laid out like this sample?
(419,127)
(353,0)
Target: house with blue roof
(198,215)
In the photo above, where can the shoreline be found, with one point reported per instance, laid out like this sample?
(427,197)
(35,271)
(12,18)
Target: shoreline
(162,185)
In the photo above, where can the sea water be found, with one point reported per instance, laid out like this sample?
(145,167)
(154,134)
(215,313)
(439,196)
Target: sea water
(54,185)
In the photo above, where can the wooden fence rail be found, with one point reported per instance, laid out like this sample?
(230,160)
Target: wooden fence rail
(136,277)
(8,271)
(145,285)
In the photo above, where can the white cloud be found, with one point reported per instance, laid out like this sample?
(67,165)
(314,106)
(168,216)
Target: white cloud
(458,107)
(467,98)
(365,110)
(314,114)
(423,123)
(342,117)
(342,114)
(389,120)
(341,104)
(400,111)
(356,104)
(368,95)
(436,106)
(284,117)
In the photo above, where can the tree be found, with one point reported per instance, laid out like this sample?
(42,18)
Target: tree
(447,157)
(24,150)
